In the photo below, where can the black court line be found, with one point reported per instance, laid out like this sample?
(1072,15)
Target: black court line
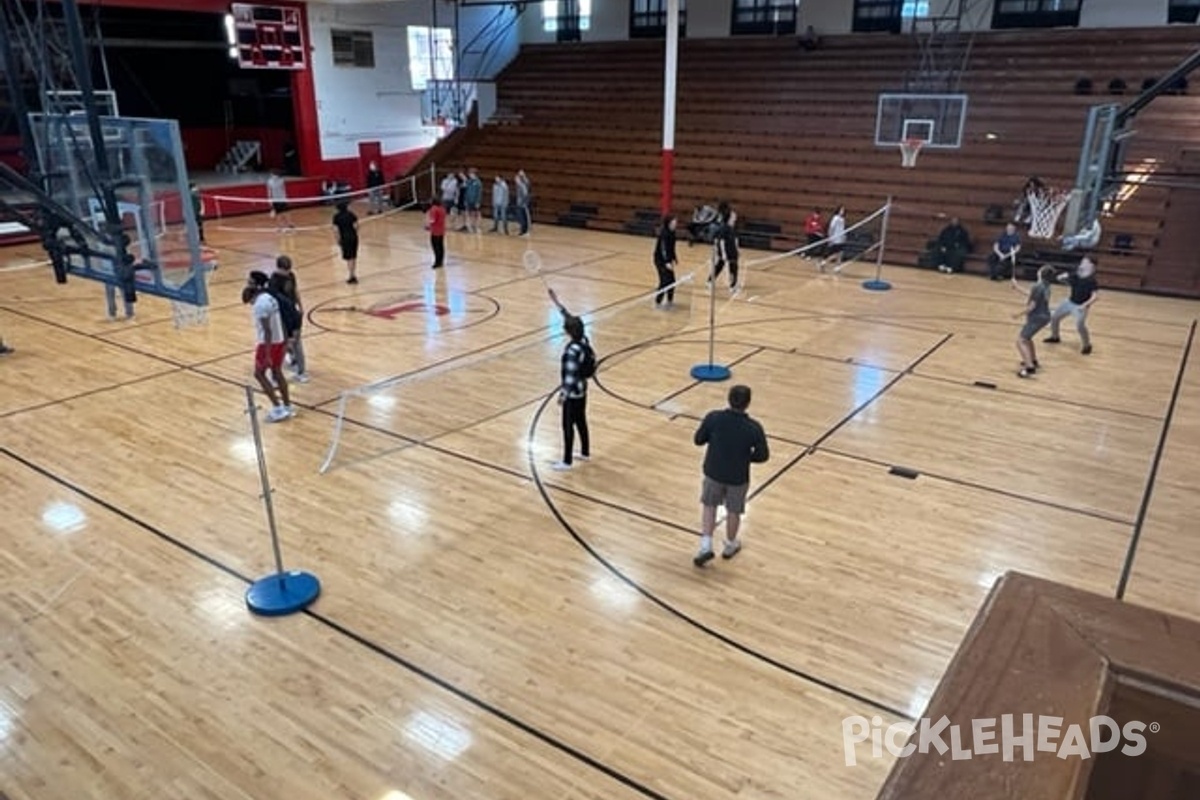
(1084,512)
(358,638)
(92,392)
(679,614)
(854,412)
(1039,397)
(1139,523)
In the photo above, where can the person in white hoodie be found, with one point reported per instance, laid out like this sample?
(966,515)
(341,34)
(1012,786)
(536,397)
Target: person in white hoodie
(500,204)
(837,240)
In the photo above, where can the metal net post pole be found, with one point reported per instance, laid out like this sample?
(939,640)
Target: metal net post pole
(878,284)
(252,410)
(280,592)
(711,371)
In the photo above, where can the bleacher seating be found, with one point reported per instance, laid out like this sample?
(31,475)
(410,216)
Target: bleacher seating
(777,130)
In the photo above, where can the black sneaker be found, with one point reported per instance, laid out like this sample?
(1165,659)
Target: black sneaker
(1026,372)
(1052,340)
(1087,351)
(703,557)
(352,279)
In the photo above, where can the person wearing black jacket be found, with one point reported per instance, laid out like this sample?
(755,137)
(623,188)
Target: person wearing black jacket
(734,441)
(953,246)
(665,262)
(725,250)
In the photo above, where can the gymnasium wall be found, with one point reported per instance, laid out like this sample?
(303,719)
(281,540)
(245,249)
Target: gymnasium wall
(361,105)
(711,18)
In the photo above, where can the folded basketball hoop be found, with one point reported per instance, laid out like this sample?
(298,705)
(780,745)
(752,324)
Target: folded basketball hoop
(1045,207)
(909,150)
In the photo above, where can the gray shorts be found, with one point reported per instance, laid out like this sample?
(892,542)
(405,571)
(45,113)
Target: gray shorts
(1032,326)
(714,493)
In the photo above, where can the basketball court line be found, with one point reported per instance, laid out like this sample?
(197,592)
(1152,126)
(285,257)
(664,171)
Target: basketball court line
(1127,568)
(1040,397)
(93,336)
(92,392)
(854,412)
(349,633)
(670,609)
(1084,512)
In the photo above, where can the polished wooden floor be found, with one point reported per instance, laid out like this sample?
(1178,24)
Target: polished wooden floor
(490,628)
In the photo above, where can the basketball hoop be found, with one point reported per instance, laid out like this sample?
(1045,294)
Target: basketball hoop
(189,315)
(909,150)
(1045,207)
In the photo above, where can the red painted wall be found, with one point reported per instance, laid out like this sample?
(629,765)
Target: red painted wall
(204,147)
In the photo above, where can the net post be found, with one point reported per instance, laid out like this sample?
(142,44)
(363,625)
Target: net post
(711,371)
(280,592)
(878,284)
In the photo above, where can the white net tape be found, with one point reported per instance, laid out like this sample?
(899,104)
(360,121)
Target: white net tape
(1045,207)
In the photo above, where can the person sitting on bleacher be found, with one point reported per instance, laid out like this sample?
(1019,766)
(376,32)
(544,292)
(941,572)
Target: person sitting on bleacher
(703,226)
(1002,261)
(953,245)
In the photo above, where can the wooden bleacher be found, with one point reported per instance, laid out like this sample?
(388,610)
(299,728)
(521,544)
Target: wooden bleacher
(777,131)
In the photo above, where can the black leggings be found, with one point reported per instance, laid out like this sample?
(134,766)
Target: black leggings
(666,278)
(733,271)
(574,415)
(439,250)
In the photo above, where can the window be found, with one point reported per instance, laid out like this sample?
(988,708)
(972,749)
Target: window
(648,19)
(560,15)
(1035,13)
(430,55)
(353,48)
(882,15)
(1184,11)
(764,17)
(915,9)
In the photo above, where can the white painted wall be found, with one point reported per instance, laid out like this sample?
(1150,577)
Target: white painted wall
(1122,13)
(367,105)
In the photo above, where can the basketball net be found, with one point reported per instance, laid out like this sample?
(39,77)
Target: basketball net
(909,150)
(1045,207)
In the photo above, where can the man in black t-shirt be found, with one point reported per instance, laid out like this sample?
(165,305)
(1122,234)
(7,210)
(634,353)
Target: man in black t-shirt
(345,225)
(1084,292)
(734,442)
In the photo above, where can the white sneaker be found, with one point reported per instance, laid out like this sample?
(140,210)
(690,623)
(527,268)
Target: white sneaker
(278,414)
(838,269)
(300,377)
(731,548)
(560,466)
(583,458)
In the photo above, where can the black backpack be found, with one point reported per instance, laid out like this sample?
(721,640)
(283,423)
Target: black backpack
(288,314)
(587,363)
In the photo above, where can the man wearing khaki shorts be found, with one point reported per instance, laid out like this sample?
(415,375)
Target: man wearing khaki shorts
(735,441)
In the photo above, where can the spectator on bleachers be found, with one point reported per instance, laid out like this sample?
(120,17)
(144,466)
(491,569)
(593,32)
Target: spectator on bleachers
(1002,261)
(1024,212)
(810,41)
(953,245)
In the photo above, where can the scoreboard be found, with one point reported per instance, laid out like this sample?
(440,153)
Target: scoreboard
(268,37)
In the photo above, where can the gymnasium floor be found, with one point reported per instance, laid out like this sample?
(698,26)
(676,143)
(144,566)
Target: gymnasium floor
(490,628)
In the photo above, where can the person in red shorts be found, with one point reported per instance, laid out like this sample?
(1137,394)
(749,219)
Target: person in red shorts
(435,223)
(270,347)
